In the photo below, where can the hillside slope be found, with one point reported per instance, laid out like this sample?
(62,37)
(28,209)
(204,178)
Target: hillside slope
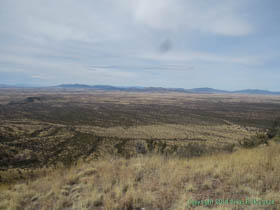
(154,182)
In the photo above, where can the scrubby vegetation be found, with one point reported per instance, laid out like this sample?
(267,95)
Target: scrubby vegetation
(96,150)
(153,182)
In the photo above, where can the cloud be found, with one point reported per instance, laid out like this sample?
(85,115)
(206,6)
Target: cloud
(149,68)
(109,72)
(217,17)
(140,41)
(95,21)
(205,57)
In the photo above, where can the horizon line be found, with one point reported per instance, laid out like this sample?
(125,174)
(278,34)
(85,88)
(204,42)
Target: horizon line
(136,86)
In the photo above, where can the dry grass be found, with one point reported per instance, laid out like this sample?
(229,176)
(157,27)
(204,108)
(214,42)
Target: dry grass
(63,127)
(209,134)
(29,144)
(154,182)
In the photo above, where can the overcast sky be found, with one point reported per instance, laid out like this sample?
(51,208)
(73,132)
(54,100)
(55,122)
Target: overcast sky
(225,44)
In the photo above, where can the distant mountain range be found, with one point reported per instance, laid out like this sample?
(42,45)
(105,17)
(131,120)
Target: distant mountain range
(204,90)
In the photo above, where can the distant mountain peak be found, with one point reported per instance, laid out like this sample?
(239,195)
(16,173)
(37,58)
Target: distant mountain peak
(74,85)
(207,90)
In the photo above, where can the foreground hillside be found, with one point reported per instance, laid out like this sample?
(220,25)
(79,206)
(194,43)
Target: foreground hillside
(153,182)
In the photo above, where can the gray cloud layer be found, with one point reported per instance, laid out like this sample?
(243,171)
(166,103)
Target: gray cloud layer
(178,43)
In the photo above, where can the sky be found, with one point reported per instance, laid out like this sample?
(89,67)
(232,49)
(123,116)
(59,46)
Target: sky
(223,44)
